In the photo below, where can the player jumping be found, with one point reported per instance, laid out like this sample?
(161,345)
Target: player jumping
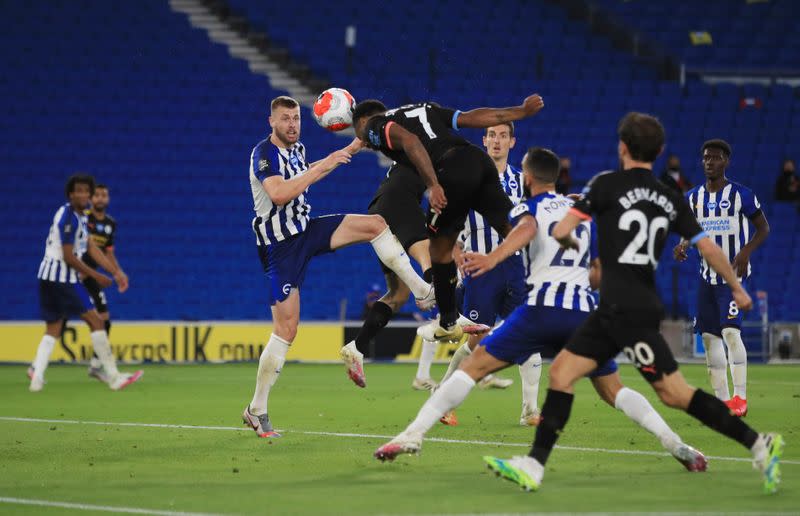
(634,213)
(459,177)
(495,294)
(723,208)
(559,300)
(61,293)
(288,238)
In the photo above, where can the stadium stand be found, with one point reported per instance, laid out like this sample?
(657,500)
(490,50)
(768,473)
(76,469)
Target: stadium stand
(133,94)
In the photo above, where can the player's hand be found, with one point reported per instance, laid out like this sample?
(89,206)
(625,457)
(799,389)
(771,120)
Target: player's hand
(122,281)
(336,158)
(679,251)
(742,298)
(532,105)
(477,264)
(740,262)
(437,198)
(355,146)
(103,280)
(461,260)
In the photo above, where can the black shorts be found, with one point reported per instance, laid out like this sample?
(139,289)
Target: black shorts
(97,294)
(605,333)
(398,201)
(470,182)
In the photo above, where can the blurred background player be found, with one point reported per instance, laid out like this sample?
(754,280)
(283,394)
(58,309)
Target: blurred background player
(61,293)
(102,230)
(723,208)
(559,301)
(288,238)
(422,136)
(634,214)
(494,295)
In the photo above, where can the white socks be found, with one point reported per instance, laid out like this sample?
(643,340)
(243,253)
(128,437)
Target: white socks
(461,353)
(426,358)
(43,352)
(392,254)
(636,407)
(447,397)
(737,356)
(269,367)
(103,350)
(717,365)
(530,372)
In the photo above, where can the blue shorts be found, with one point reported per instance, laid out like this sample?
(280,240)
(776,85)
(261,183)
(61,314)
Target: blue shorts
(716,309)
(58,301)
(286,262)
(495,294)
(532,329)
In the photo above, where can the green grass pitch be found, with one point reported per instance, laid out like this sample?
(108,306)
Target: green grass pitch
(230,471)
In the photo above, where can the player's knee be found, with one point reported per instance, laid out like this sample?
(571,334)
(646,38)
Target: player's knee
(559,379)
(376,225)
(287,330)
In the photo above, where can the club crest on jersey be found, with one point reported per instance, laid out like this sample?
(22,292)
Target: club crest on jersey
(374,138)
(473,314)
(519,210)
(512,183)
(724,204)
(294,161)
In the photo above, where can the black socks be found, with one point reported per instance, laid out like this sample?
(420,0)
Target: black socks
(715,414)
(555,413)
(444,282)
(377,318)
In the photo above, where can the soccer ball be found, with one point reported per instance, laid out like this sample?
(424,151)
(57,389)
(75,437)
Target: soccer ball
(333,109)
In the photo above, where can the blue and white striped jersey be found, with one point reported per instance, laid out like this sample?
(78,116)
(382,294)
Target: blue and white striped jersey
(723,215)
(68,227)
(557,277)
(478,236)
(274,223)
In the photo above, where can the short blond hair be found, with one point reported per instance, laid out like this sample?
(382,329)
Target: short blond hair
(283,101)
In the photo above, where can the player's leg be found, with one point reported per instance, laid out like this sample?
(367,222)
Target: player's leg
(530,373)
(528,471)
(43,351)
(707,324)
(372,228)
(510,343)
(102,347)
(51,310)
(655,362)
(607,383)
(445,277)
(101,305)
(285,319)
(730,320)
(512,293)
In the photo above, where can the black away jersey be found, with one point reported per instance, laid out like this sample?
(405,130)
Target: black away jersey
(634,213)
(431,123)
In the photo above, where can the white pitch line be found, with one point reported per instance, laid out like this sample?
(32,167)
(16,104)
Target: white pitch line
(363,436)
(102,508)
